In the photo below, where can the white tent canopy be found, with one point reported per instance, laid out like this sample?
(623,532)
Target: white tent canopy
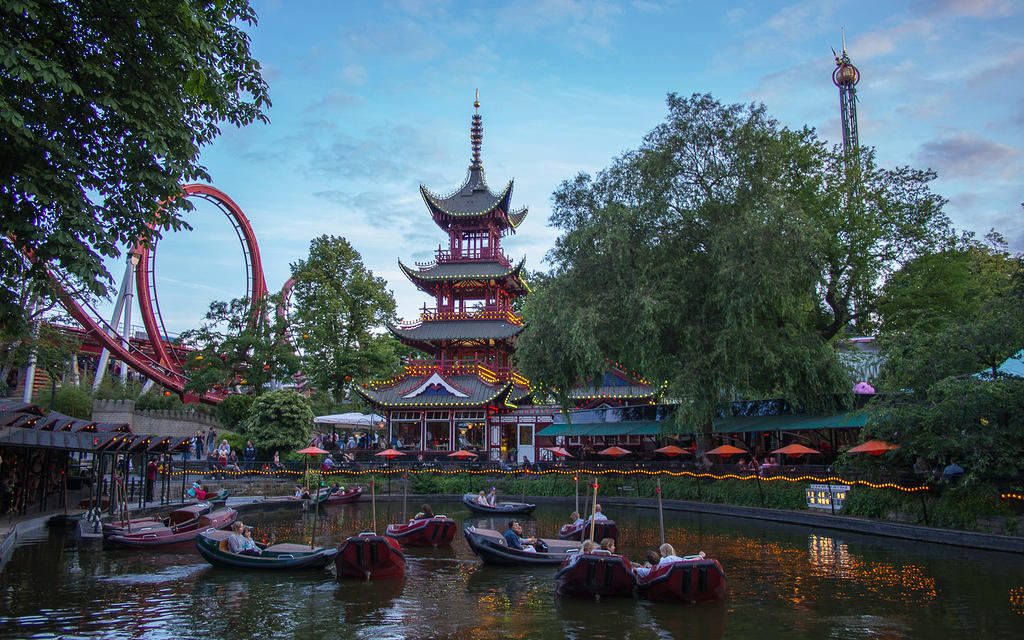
(354,419)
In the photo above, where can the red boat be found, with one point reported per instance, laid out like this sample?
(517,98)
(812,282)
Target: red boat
(602,529)
(344,497)
(368,556)
(178,517)
(595,575)
(159,535)
(692,579)
(425,532)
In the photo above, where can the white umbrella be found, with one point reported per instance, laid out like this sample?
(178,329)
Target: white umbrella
(353,418)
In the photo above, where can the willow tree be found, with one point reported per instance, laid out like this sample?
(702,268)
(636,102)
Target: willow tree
(696,259)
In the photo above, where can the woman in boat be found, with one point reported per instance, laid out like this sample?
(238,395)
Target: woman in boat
(576,519)
(424,513)
(238,543)
(492,497)
(608,544)
(668,554)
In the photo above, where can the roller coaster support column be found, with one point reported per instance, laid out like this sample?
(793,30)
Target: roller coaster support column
(30,370)
(122,295)
(133,260)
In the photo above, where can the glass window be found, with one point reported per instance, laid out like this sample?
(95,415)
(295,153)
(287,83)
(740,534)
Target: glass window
(408,433)
(437,435)
(470,435)
(526,434)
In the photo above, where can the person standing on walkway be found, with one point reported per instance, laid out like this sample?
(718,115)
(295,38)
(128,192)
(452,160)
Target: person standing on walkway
(151,469)
(249,454)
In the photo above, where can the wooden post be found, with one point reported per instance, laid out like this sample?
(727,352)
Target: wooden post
(576,481)
(661,515)
(593,509)
(373,503)
(405,493)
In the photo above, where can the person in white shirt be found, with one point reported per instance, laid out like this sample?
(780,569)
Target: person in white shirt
(597,513)
(668,554)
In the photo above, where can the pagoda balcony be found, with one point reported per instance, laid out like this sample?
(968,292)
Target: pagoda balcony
(487,372)
(433,314)
(481,254)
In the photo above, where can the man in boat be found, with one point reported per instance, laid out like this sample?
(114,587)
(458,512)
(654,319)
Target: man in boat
(492,497)
(597,513)
(514,537)
(576,519)
(651,560)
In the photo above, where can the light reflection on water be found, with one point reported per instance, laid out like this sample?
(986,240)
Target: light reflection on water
(783,581)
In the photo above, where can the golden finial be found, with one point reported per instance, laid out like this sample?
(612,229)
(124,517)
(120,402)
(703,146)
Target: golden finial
(476,102)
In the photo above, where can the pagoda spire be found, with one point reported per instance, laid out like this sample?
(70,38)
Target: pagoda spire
(476,135)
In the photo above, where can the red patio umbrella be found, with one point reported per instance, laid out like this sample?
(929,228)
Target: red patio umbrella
(795,450)
(725,451)
(559,451)
(671,450)
(462,453)
(874,447)
(313,451)
(389,453)
(615,452)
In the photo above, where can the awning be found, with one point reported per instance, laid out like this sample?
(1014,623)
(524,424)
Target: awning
(735,424)
(62,440)
(799,422)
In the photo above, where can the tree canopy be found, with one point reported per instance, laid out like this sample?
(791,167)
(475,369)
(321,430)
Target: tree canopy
(722,257)
(104,108)
(279,421)
(339,309)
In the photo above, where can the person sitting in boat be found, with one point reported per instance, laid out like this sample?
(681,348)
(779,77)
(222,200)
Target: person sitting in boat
(576,519)
(514,537)
(196,490)
(668,554)
(597,513)
(250,544)
(424,513)
(238,543)
(328,464)
(608,544)
(651,560)
(482,499)
(492,497)
(301,493)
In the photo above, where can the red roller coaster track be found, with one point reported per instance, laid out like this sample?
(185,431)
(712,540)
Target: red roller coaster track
(165,367)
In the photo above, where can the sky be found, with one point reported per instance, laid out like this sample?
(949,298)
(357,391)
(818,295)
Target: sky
(372,99)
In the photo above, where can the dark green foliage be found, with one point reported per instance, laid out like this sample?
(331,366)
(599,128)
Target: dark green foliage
(74,401)
(241,346)
(963,507)
(233,410)
(104,108)
(279,421)
(156,399)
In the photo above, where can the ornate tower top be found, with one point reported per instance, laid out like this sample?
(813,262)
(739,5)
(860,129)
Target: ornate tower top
(846,76)
(476,134)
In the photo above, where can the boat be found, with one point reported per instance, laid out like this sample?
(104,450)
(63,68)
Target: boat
(368,556)
(344,497)
(178,517)
(437,531)
(692,579)
(510,508)
(221,497)
(602,529)
(598,574)
(492,549)
(160,536)
(285,556)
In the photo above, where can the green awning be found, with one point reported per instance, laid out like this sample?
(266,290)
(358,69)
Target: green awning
(799,422)
(633,428)
(563,429)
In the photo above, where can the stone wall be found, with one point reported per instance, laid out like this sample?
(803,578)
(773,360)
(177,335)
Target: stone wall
(165,423)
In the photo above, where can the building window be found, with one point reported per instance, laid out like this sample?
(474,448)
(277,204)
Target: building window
(437,435)
(407,433)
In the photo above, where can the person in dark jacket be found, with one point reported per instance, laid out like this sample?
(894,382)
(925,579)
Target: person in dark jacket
(249,454)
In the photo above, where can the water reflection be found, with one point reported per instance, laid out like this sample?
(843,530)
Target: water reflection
(783,582)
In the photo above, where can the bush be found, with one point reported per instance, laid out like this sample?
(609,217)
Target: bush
(74,401)
(155,400)
(233,410)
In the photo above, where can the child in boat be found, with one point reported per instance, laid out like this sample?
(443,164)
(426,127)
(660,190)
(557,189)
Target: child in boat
(608,544)
(651,560)
(576,519)
(196,490)
(482,499)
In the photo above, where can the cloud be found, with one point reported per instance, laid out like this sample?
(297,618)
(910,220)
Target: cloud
(587,25)
(404,39)
(388,154)
(966,8)
(336,100)
(734,16)
(354,74)
(966,155)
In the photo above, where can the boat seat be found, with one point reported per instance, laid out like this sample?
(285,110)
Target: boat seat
(288,547)
(223,546)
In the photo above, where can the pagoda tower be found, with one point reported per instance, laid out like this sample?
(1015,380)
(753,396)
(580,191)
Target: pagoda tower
(450,399)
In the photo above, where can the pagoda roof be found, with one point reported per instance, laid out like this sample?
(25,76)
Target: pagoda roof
(474,199)
(615,384)
(457,330)
(456,271)
(436,390)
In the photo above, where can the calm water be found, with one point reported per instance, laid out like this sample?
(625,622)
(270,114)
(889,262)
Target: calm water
(784,582)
